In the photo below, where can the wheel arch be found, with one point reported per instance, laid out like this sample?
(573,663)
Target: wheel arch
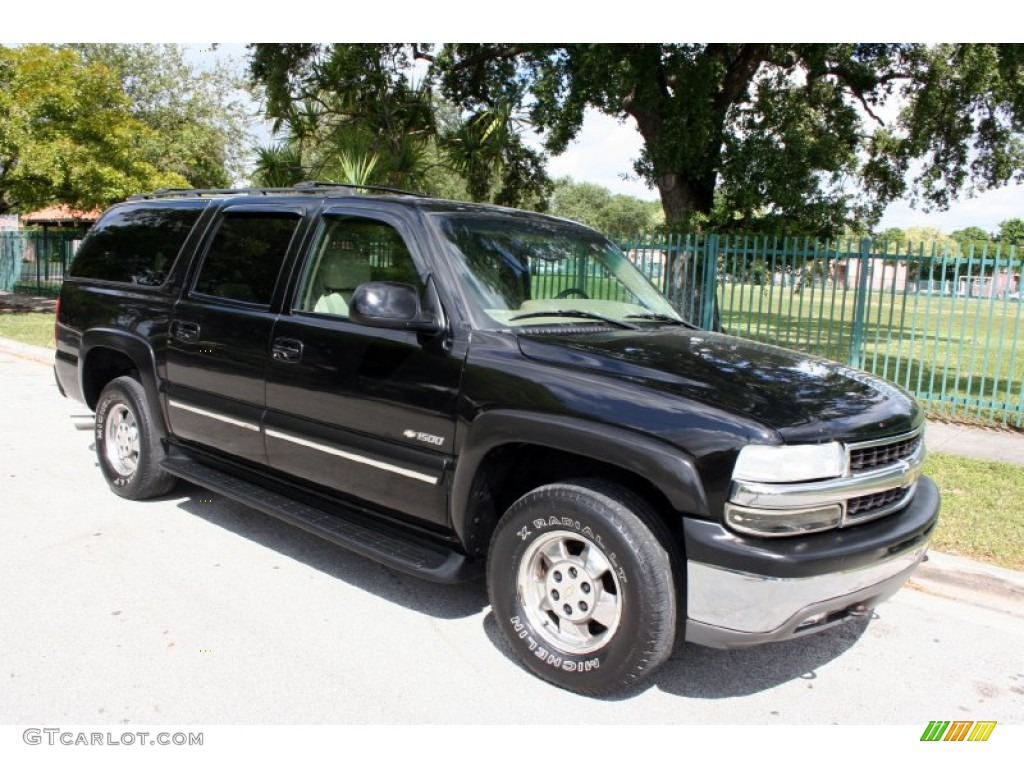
(507,453)
(107,353)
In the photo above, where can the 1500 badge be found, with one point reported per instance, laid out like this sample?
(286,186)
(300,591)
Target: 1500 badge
(412,434)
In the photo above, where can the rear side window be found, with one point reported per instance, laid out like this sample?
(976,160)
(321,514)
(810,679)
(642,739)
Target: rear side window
(245,256)
(135,245)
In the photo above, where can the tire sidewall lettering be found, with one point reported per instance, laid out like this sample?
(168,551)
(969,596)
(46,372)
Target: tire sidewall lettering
(113,477)
(549,656)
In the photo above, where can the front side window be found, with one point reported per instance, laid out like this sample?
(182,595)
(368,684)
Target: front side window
(350,251)
(518,271)
(245,256)
(136,244)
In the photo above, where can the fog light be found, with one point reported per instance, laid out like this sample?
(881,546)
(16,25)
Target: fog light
(782,522)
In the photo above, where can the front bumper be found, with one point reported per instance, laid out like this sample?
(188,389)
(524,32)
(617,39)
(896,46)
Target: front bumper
(742,591)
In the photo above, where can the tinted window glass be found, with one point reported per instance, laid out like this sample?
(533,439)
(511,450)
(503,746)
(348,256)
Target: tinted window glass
(348,252)
(135,245)
(245,256)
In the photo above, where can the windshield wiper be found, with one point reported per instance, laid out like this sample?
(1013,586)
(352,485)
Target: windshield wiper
(663,318)
(578,313)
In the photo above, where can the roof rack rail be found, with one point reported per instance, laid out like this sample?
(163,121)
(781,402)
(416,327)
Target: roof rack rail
(300,188)
(342,185)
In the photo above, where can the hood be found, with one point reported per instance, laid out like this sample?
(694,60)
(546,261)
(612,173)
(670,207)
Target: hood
(803,398)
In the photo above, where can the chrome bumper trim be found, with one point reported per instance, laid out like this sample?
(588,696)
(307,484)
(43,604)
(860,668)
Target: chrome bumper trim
(733,602)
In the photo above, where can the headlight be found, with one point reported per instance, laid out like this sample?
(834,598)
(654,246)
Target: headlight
(790,463)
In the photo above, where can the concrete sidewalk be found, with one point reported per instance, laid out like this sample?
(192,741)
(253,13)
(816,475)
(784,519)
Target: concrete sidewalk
(975,442)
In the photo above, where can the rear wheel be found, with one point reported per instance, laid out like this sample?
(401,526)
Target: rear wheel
(581,584)
(127,443)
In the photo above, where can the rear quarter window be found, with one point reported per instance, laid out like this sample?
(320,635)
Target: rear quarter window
(135,244)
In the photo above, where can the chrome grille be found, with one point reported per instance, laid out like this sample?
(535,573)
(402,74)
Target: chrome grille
(876,501)
(875,455)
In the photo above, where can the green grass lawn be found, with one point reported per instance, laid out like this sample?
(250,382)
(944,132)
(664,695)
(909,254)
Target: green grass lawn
(982,509)
(28,328)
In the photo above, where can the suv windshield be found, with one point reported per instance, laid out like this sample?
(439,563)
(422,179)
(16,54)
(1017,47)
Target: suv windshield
(517,272)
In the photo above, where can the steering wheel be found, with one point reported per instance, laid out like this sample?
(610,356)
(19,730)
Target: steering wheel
(572,292)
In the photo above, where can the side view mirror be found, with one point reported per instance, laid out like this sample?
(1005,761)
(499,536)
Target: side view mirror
(391,305)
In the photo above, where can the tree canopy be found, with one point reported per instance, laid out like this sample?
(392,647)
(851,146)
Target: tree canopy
(596,206)
(88,125)
(54,148)
(199,117)
(1011,232)
(815,137)
(358,114)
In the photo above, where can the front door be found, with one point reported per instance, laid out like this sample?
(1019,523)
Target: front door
(365,412)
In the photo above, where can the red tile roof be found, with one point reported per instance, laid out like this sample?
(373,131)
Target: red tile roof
(62,214)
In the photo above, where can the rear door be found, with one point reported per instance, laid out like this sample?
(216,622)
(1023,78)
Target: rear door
(218,349)
(365,412)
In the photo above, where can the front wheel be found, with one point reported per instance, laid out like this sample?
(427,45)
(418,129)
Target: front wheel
(127,443)
(581,584)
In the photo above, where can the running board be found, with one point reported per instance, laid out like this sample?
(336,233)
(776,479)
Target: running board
(433,563)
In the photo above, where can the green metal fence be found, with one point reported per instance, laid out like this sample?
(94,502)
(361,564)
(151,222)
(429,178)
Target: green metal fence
(944,322)
(35,262)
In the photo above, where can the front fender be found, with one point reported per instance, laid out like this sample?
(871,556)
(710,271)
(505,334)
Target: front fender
(667,468)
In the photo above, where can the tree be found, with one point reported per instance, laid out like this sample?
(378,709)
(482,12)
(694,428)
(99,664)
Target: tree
(794,131)
(893,236)
(342,108)
(199,118)
(1011,232)
(67,133)
(596,206)
(969,235)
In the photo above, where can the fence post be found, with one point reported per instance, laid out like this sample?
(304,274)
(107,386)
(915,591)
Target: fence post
(709,284)
(860,304)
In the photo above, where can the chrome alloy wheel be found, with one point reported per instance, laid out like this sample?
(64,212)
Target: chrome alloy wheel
(569,592)
(122,440)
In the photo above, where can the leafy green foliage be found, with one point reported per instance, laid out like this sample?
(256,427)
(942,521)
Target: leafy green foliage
(68,134)
(739,133)
(813,139)
(596,206)
(1011,232)
(970,235)
(199,118)
(345,108)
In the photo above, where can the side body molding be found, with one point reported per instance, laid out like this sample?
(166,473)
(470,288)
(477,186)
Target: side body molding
(664,466)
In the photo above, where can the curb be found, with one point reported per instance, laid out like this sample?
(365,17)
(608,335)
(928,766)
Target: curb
(31,352)
(969,581)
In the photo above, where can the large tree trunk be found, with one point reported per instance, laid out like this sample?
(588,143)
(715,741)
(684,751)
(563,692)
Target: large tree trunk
(689,285)
(681,197)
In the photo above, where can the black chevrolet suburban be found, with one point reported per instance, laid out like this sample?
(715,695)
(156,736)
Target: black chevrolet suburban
(456,390)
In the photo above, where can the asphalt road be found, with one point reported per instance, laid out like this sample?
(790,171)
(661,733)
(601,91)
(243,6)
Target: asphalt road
(194,609)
